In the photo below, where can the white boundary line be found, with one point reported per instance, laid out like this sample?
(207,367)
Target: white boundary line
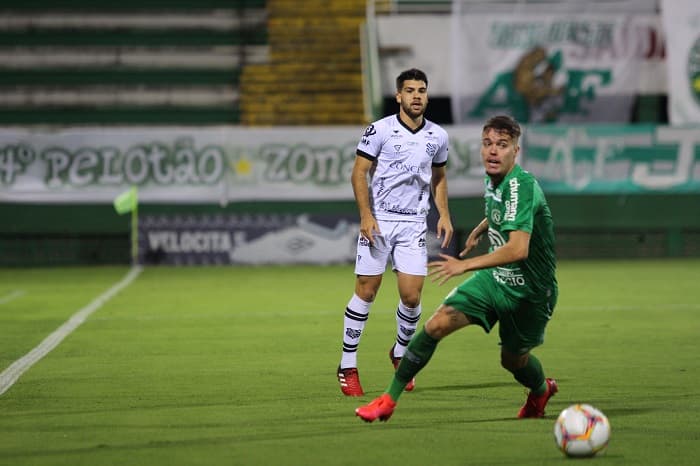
(10,296)
(10,375)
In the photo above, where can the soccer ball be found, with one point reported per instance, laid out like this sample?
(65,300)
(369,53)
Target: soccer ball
(581,430)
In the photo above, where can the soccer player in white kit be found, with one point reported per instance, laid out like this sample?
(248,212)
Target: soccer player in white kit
(400,163)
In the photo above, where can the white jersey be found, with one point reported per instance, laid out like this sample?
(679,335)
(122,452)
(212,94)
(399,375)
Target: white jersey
(403,165)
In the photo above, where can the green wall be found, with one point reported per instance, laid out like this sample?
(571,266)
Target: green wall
(628,226)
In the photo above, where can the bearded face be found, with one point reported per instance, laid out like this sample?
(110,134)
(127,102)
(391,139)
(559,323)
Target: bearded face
(413,98)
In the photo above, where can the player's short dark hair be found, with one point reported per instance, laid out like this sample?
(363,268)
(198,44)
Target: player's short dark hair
(504,124)
(413,74)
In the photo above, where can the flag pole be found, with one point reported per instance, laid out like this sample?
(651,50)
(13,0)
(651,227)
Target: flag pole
(126,202)
(135,233)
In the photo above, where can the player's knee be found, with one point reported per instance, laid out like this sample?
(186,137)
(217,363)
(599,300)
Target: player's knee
(365,292)
(433,329)
(512,362)
(366,295)
(507,364)
(366,288)
(411,301)
(441,323)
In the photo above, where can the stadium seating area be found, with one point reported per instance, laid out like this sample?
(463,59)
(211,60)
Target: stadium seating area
(314,74)
(127,62)
(199,62)
(202,62)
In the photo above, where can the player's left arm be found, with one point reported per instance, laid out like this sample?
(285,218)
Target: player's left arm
(445,229)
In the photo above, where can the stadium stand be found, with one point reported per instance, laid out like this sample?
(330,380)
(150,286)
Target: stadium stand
(140,62)
(314,75)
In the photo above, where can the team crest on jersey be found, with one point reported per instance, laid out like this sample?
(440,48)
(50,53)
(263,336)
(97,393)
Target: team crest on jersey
(496,216)
(431,149)
(397,148)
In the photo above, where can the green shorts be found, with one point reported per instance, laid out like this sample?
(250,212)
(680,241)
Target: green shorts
(484,301)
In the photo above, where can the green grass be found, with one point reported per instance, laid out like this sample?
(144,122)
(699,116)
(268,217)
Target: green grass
(235,365)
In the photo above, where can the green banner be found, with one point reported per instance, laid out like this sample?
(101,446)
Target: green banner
(605,159)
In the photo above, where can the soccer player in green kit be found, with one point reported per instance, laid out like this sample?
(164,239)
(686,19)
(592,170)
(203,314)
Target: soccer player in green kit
(513,284)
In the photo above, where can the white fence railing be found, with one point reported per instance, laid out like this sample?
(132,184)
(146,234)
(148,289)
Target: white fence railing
(510,6)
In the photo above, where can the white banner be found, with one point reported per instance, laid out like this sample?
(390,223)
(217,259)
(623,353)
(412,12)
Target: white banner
(545,68)
(614,159)
(200,165)
(398,50)
(681,19)
(540,68)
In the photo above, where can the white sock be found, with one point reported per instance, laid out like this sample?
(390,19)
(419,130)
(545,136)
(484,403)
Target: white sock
(406,323)
(356,314)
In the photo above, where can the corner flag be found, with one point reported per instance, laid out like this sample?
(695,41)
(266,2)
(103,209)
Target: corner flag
(126,202)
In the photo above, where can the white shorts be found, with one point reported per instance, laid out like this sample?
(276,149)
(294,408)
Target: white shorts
(404,242)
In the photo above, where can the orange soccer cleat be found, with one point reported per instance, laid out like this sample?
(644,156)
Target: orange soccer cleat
(380,408)
(534,406)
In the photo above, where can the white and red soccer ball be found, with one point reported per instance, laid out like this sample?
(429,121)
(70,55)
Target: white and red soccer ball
(581,430)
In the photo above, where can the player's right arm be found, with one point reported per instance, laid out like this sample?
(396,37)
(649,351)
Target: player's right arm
(475,236)
(516,249)
(360,187)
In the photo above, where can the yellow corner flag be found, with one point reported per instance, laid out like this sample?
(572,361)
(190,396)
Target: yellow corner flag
(126,201)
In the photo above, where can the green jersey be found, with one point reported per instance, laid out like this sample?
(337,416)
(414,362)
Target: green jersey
(518,203)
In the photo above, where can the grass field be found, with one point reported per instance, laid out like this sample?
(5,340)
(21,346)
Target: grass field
(235,366)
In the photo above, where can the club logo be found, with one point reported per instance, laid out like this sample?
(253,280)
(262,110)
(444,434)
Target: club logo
(431,149)
(532,91)
(496,216)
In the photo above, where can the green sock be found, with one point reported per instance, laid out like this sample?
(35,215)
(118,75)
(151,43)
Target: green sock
(418,353)
(532,376)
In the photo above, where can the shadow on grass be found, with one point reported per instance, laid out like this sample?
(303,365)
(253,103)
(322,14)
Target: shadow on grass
(213,441)
(473,386)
